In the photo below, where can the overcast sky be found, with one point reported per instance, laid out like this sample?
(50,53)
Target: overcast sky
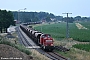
(57,7)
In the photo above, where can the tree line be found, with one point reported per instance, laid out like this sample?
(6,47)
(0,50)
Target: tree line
(6,19)
(34,16)
(44,16)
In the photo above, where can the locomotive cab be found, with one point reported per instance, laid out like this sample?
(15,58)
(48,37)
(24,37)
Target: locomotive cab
(46,41)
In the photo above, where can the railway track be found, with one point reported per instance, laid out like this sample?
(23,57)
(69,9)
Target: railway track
(25,41)
(56,56)
(21,37)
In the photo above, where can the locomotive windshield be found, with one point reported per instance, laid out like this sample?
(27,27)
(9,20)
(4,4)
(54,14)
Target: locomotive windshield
(46,35)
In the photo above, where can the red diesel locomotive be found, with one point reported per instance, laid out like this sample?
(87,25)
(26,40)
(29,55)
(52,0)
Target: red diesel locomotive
(45,41)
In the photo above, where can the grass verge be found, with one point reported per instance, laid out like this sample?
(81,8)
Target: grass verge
(17,46)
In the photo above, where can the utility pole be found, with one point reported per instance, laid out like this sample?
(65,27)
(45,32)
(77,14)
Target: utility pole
(19,14)
(67,28)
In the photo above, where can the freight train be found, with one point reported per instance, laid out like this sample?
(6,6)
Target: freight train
(45,41)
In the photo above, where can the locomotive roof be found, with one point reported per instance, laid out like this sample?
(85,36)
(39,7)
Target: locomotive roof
(46,34)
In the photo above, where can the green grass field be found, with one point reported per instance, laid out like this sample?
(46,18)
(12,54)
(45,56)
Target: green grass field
(58,31)
(85,47)
(86,24)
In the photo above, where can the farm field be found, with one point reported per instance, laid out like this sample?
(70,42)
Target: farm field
(85,47)
(86,24)
(58,31)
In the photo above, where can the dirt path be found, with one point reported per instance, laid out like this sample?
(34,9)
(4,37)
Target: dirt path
(79,26)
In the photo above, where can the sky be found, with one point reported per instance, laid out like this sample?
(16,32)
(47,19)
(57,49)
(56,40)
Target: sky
(57,7)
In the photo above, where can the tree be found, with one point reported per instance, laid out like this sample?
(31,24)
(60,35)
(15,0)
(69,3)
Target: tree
(70,19)
(32,16)
(6,19)
(77,18)
(35,19)
(51,15)
(48,19)
(84,18)
(59,18)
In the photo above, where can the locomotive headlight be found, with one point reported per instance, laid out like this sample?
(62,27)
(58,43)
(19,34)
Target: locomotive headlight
(45,38)
(51,44)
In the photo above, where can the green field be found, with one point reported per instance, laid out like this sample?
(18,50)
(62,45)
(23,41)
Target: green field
(85,47)
(58,31)
(86,24)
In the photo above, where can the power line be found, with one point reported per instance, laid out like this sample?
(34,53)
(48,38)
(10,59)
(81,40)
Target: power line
(67,28)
